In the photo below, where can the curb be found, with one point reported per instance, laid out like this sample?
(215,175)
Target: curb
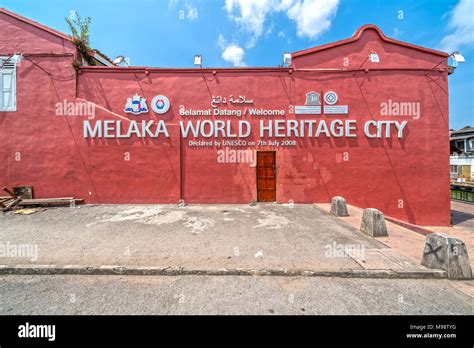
(179,271)
(412,227)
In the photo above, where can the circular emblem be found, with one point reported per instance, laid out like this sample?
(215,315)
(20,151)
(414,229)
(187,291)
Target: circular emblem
(330,98)
(160,104)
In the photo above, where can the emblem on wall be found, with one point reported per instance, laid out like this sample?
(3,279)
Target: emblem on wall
(312,105)
(330,98)
(160,104)
(330,107)
(312,98)
(136,105)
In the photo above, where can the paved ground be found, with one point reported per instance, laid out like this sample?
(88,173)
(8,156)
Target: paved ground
(410,244)
(216,237)
(229,295)
(197,236)
(405,242)
(462,215)
(463,226)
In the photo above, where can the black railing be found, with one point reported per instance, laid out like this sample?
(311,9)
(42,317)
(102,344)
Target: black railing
(463,193)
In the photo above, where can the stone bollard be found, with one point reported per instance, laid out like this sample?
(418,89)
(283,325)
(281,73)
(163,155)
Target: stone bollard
(339,206)
(373,223)
(448,253)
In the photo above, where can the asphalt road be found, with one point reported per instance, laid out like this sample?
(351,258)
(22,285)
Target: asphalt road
(72,294)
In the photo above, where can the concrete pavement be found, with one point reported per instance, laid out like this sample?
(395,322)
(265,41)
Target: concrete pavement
(266,237)
(216,239)
(410,244)
(463,226)
(404,241)
(462,215)
(229,295)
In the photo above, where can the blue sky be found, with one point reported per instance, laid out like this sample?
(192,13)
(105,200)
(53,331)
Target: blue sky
(167,33)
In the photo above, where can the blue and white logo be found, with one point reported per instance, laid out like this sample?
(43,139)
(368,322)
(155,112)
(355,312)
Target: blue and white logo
(330,98)
(160,104)
(136,105)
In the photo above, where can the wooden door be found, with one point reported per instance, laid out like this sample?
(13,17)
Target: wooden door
(266,176)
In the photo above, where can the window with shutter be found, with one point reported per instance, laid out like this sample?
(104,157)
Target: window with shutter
(7,85)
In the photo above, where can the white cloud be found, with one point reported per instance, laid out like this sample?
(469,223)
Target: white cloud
(312,17)
(462,24)
(234,54)
(281,34)
(250,15)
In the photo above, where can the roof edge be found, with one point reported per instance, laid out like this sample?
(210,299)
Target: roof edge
(188,70)
(36,24)
(96,54)
(357,35)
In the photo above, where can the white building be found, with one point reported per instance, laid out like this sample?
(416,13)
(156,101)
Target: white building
(462,159)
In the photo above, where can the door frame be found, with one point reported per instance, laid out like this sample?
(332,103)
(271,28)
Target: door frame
(274,175)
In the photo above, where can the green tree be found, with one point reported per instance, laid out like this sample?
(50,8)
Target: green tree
(80,32)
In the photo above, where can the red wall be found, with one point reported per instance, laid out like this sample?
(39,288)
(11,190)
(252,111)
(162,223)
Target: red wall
(58,161)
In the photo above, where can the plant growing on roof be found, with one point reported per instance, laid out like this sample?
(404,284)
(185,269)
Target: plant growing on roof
(80,32)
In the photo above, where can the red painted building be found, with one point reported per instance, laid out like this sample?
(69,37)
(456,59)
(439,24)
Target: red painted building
(365,118)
